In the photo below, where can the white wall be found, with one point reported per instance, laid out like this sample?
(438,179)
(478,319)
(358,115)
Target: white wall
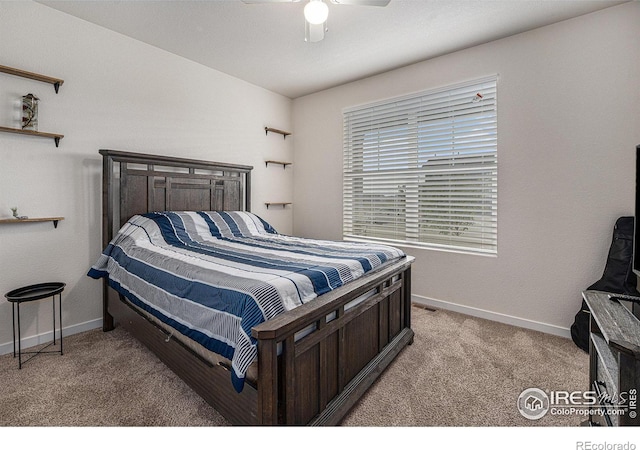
(568,124)
(118,94)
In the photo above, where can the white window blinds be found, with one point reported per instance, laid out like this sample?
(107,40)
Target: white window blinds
(421,170)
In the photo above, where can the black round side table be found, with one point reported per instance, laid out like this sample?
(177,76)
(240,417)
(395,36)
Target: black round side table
(28,294)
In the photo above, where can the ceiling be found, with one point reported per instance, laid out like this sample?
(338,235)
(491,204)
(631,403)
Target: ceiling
(263,44)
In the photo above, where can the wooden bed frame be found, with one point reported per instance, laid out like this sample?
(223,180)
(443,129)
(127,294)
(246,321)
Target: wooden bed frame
(313,380)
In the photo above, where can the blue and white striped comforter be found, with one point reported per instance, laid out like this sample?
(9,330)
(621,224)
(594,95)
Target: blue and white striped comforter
(214,275)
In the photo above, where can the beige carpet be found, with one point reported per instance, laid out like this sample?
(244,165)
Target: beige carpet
(460,371)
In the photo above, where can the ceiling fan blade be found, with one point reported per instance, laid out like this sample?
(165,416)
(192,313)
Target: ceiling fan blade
(361,2)
(314,32)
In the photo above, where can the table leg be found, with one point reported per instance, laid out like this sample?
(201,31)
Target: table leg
(53,302)
(60,312)
(19,343)
(13,321)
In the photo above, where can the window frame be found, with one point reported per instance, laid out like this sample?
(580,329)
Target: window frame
(405,148)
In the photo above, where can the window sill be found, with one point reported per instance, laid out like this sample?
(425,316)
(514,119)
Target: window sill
(428,247)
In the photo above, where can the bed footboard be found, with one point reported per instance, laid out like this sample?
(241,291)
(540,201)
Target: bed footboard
(316,379)
(310,380)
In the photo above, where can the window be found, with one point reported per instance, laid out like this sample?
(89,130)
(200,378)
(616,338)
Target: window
(421,170)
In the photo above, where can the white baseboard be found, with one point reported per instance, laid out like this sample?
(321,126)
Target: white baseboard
(31,341)
(490,315)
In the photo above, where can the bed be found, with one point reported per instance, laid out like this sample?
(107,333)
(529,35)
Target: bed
(308,363)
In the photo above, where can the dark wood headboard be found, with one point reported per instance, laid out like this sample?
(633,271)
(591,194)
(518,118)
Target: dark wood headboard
(136,183)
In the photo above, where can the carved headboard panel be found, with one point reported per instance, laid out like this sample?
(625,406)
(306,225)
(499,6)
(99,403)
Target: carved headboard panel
(136,183)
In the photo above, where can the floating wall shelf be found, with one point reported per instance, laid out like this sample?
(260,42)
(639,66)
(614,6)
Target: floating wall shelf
(35,219)
(284,164)
(275,130)
(55,137)
(57,82)
(283,204)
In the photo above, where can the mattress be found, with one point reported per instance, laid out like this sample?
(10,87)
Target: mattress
(212,276)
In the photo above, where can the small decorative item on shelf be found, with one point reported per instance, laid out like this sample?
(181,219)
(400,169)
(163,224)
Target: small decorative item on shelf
(30,112)
(14,210)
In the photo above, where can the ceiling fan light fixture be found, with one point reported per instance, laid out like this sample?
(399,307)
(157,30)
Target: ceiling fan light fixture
(316,12)
(314,33)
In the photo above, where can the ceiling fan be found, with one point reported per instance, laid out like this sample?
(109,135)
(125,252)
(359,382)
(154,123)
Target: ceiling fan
(316,13)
